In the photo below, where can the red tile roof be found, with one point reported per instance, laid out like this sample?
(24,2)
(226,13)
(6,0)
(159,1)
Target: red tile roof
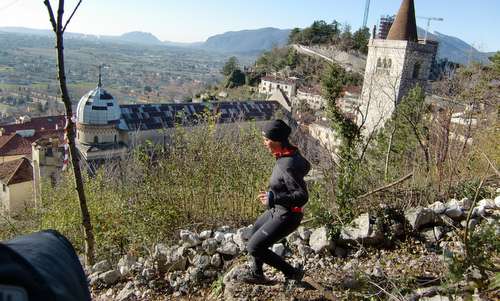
(12,145)
(16,171)
(316,89)
(37,123)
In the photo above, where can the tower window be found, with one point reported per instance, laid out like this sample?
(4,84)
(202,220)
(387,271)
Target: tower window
(96,139)
(416,70)
(379,63)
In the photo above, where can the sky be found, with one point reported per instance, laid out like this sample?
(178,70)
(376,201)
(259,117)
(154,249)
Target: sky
(476,22)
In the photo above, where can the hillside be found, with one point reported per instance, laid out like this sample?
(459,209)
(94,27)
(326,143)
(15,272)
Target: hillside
(456,50)
(247,41)
(252,42)
(140,38)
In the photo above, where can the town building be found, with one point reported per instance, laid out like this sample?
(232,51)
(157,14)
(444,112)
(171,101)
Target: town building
(16,179)
(394,66)
(107,130)
(13,147)
(270,84)
(312,97)
(47,160)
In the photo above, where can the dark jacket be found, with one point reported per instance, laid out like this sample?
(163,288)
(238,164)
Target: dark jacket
(287,186)
(45,265)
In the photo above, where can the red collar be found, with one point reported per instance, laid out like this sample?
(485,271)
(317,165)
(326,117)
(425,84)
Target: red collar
(284,152)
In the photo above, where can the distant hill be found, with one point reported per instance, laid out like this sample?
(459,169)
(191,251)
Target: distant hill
(139,37)
(253,42)
(455,49)
(247,41)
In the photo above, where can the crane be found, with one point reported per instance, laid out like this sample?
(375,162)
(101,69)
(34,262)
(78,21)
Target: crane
(365,16)
(429,19)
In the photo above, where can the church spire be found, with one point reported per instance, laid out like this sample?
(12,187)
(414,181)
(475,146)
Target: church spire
(405,25)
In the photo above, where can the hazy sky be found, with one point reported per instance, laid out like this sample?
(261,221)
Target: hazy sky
(476,22)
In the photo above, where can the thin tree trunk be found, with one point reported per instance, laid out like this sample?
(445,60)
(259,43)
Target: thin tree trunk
(70,128)
(387,155)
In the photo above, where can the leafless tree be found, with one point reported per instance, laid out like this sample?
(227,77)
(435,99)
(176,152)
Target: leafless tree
(59,27)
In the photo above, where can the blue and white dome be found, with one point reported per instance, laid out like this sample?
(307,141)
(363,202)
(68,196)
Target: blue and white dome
(98,107)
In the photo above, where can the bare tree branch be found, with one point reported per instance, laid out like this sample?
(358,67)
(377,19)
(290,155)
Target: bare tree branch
(51,15)
(386,186)
(71,16)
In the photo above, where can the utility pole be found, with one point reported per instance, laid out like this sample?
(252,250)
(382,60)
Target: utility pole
(429,19)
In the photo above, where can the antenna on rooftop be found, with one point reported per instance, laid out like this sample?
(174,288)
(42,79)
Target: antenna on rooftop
(429,19)
(100,66)
(99,84)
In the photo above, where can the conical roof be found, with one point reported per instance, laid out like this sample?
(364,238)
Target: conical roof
(405,26)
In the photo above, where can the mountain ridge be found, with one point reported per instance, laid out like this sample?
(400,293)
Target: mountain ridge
(255,41)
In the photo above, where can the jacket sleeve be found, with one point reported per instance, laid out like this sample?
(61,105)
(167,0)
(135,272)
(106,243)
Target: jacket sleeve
(295,194)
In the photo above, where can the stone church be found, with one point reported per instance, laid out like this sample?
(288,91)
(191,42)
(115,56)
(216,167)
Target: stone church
(394,65)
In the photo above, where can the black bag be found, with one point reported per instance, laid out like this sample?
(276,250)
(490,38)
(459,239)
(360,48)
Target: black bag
(41,266)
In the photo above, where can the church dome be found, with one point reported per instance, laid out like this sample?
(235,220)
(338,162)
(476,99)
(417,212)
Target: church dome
(98,107)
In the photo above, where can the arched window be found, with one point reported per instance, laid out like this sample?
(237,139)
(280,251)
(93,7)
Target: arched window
(389,63)
(416,70)
(385,63)
(379,63)
(115,138)
(96,139)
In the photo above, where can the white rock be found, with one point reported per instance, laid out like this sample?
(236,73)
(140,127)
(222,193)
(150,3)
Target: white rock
(362,230)
(304,233)
(202,261)
(189,238)
(465,203)
(279,249)
(304,250)
(125,264)
(246,232)
(101,266)
(225,229)
(420,217)
(497,202)
(437,207)
(228,237)
(453,209)
(219,236)
(229,248)
(486,203)
(210,246)
(472,223)
(110,277)
(320,240)
(215,260)
(127,293)
(205,234)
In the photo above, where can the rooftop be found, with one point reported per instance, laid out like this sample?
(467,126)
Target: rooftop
(405,25)
(16,171)
(166,115)
(36,124)
(274,79)
(13,144)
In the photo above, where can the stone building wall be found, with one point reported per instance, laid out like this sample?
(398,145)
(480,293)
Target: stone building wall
(393,67)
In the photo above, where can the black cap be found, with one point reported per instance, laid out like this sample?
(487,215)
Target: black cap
(276,130)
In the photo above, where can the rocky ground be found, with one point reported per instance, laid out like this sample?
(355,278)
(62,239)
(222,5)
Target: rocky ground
(403,258)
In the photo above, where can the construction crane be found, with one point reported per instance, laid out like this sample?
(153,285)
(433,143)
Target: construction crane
(365,16)
(429,19)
